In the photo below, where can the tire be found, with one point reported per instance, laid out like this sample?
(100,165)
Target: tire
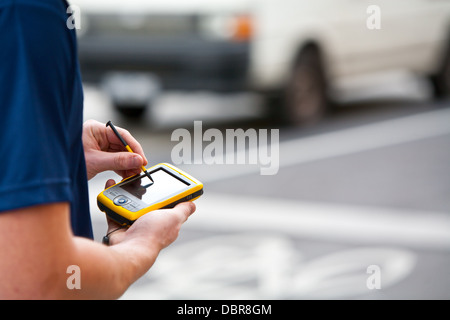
(305,94)
(131,111)
(441,81)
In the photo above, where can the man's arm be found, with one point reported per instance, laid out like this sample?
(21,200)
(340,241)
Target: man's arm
(39,247)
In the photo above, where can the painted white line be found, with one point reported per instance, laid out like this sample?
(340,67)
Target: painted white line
(339,143)
(312,220)
(329,222)
(367,137)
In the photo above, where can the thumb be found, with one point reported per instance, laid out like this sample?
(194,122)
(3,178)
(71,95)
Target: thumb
(117,161)
(109,183)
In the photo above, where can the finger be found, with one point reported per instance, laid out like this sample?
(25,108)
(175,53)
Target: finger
(184,210)
(118,161)
(109,183)
(132,142)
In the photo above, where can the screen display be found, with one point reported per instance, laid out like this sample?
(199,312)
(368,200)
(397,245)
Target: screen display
(164,186)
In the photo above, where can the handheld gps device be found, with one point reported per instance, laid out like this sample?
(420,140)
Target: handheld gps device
(133,197)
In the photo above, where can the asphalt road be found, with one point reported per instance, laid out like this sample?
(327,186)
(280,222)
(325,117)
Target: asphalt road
(359,208)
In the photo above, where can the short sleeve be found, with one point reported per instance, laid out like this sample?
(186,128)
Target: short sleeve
(36,68)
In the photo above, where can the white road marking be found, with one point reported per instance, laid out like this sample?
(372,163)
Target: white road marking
(325,222)
(368,137)
(339,143)
(329,222)
(263,265)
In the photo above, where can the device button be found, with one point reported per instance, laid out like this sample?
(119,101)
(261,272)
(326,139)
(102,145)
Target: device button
(121,200)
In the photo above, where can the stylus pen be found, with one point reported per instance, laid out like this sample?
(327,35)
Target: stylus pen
(109,124)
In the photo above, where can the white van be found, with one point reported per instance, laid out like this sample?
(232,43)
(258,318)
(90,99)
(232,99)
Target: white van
(296,52)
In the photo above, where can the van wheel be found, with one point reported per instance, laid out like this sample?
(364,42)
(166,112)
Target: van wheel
(441,81)
(305,96)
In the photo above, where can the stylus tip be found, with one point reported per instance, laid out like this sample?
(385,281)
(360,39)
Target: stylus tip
(149,176)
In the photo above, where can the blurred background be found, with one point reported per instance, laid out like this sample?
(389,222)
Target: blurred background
(360,93)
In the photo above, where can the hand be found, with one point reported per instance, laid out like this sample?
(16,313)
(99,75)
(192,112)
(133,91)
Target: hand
(155,230)
(104,151)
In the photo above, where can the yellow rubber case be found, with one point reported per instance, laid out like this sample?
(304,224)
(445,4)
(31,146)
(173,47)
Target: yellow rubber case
(126,218)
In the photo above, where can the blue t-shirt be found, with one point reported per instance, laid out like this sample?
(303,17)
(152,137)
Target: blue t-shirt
(41,115)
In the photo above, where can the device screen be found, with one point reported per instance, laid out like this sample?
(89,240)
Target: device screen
(165,185)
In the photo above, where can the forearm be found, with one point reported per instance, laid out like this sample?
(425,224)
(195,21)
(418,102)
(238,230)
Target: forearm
(107,272)
(36,266)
